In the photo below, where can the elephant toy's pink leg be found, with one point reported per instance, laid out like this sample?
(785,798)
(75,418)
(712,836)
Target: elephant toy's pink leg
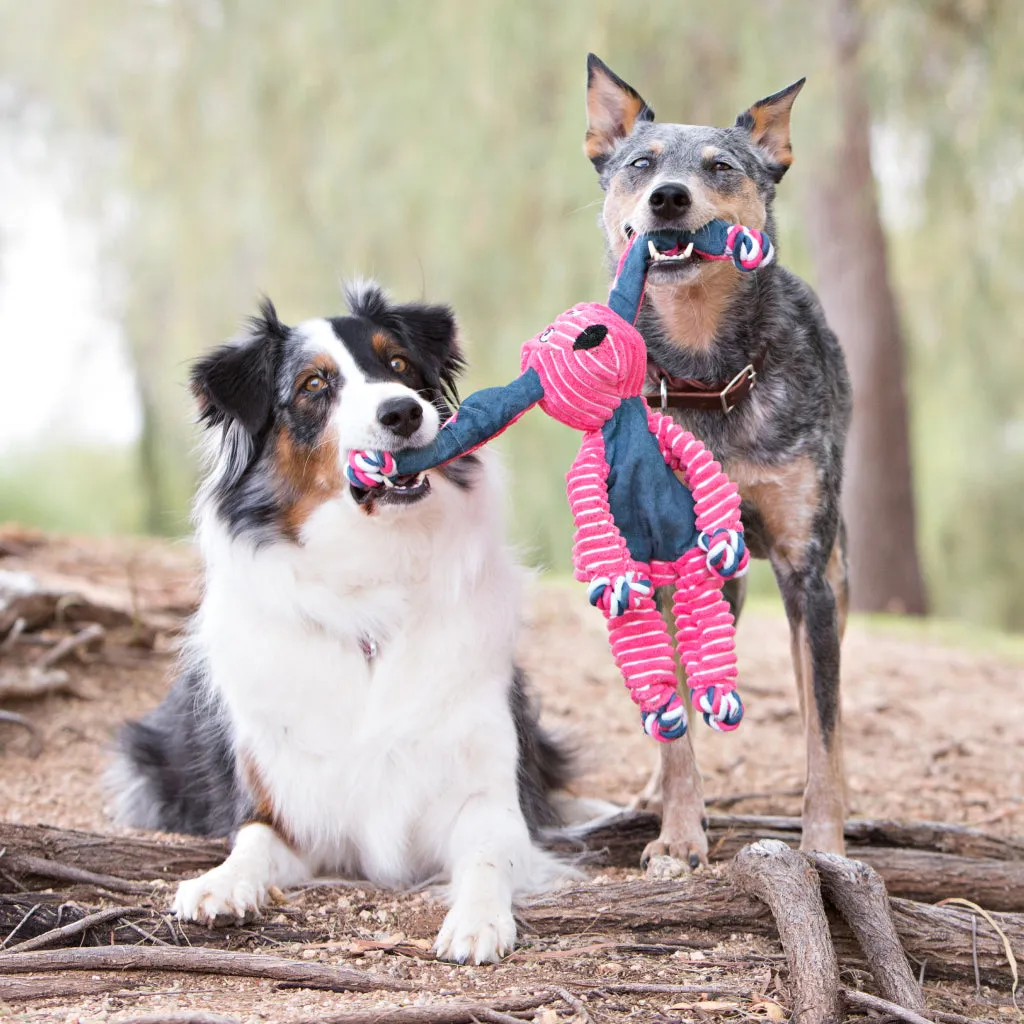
(642,649)
(706,637)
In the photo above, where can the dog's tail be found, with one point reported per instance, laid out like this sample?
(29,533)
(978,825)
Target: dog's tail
(175,769)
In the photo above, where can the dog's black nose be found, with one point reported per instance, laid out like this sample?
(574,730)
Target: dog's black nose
(670,200)
(402,416)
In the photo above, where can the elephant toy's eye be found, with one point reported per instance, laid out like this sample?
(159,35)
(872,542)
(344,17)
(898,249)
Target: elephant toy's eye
(591,337)
(546,334)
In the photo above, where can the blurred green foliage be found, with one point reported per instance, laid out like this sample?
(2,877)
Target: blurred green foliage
(277,148)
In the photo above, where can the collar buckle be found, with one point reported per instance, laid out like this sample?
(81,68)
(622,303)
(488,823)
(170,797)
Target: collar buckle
(748,373)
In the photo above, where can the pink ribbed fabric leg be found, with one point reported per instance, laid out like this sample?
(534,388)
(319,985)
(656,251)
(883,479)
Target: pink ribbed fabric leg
(642,648)
(706,632)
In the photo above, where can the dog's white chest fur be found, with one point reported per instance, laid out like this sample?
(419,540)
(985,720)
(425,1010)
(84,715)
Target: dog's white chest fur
(367,762)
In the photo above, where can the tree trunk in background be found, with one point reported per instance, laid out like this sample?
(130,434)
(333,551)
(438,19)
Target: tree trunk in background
(848,247)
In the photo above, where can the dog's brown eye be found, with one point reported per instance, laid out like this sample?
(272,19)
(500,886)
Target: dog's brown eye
(399,365)
(721,165)
(314,384)
(642,163)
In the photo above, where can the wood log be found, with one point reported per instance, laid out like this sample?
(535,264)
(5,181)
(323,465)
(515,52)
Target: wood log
(858,894)
(940,937)
(121,856)
(197,960)
(923,861)
(787,883)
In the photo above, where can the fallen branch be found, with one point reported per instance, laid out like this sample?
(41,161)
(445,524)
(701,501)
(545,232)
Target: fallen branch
(923,861)
(28,866)
(442,1013)
(16,990)
(864,1001)
(126,857)
(34,682)
(939,936)
(197,960)
(858,894)
(786,881)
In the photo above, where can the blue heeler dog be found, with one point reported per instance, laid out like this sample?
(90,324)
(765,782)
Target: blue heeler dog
(748,364)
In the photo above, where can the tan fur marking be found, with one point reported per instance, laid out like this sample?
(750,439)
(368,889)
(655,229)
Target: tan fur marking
(382,343)
(690,312)
(786,497)
(308,478)
(835,573)
(263,805)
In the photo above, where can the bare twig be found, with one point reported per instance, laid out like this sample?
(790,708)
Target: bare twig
(576,1003)
(87,635)
(726,801)
(13,633)
(641,989)
(17,928)
(36,737)
(863,1001)
(197,960)
(185,1017)
(67,931)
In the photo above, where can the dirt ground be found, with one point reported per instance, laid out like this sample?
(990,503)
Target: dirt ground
(930,732)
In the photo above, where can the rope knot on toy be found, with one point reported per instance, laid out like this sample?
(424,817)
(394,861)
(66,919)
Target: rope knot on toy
(615,598)
(726,551)
(750,249)
(722,708)
(370,469)
(666,723)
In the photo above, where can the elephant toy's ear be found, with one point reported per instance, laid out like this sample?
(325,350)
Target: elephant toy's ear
(591,337)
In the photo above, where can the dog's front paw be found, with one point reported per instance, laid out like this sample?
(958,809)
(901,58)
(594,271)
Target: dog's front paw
(220,895)
(476,932)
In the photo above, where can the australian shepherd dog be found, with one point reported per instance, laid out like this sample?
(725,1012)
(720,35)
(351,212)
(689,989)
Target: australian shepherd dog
(348,702)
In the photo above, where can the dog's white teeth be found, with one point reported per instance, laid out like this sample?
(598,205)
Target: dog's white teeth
(687,250)
(419,479)
(655,255)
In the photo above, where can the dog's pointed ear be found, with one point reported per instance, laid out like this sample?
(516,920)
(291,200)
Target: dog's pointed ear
(236,382)
(613,109)
(767,121)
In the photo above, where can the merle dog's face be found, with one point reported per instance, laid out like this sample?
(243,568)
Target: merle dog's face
(659,176)
(290,403)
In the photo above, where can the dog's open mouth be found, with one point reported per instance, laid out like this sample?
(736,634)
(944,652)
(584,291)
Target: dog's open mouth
(668,254)
(406,490)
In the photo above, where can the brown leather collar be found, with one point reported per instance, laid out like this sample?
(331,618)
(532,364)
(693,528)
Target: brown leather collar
(664,391)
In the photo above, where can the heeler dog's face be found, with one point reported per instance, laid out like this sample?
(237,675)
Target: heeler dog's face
(682,176)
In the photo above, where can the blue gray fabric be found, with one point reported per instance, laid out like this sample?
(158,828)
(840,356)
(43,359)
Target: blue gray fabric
(650,505)
(483,415)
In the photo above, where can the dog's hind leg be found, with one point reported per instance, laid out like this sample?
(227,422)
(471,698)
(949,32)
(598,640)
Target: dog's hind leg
(815,601)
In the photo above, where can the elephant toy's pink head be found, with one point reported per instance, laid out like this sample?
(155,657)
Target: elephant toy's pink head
(589,360)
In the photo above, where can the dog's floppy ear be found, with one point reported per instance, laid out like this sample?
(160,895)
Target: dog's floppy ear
(236,381)
(767,121)
(432,331)
(613,109)
(429,330)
